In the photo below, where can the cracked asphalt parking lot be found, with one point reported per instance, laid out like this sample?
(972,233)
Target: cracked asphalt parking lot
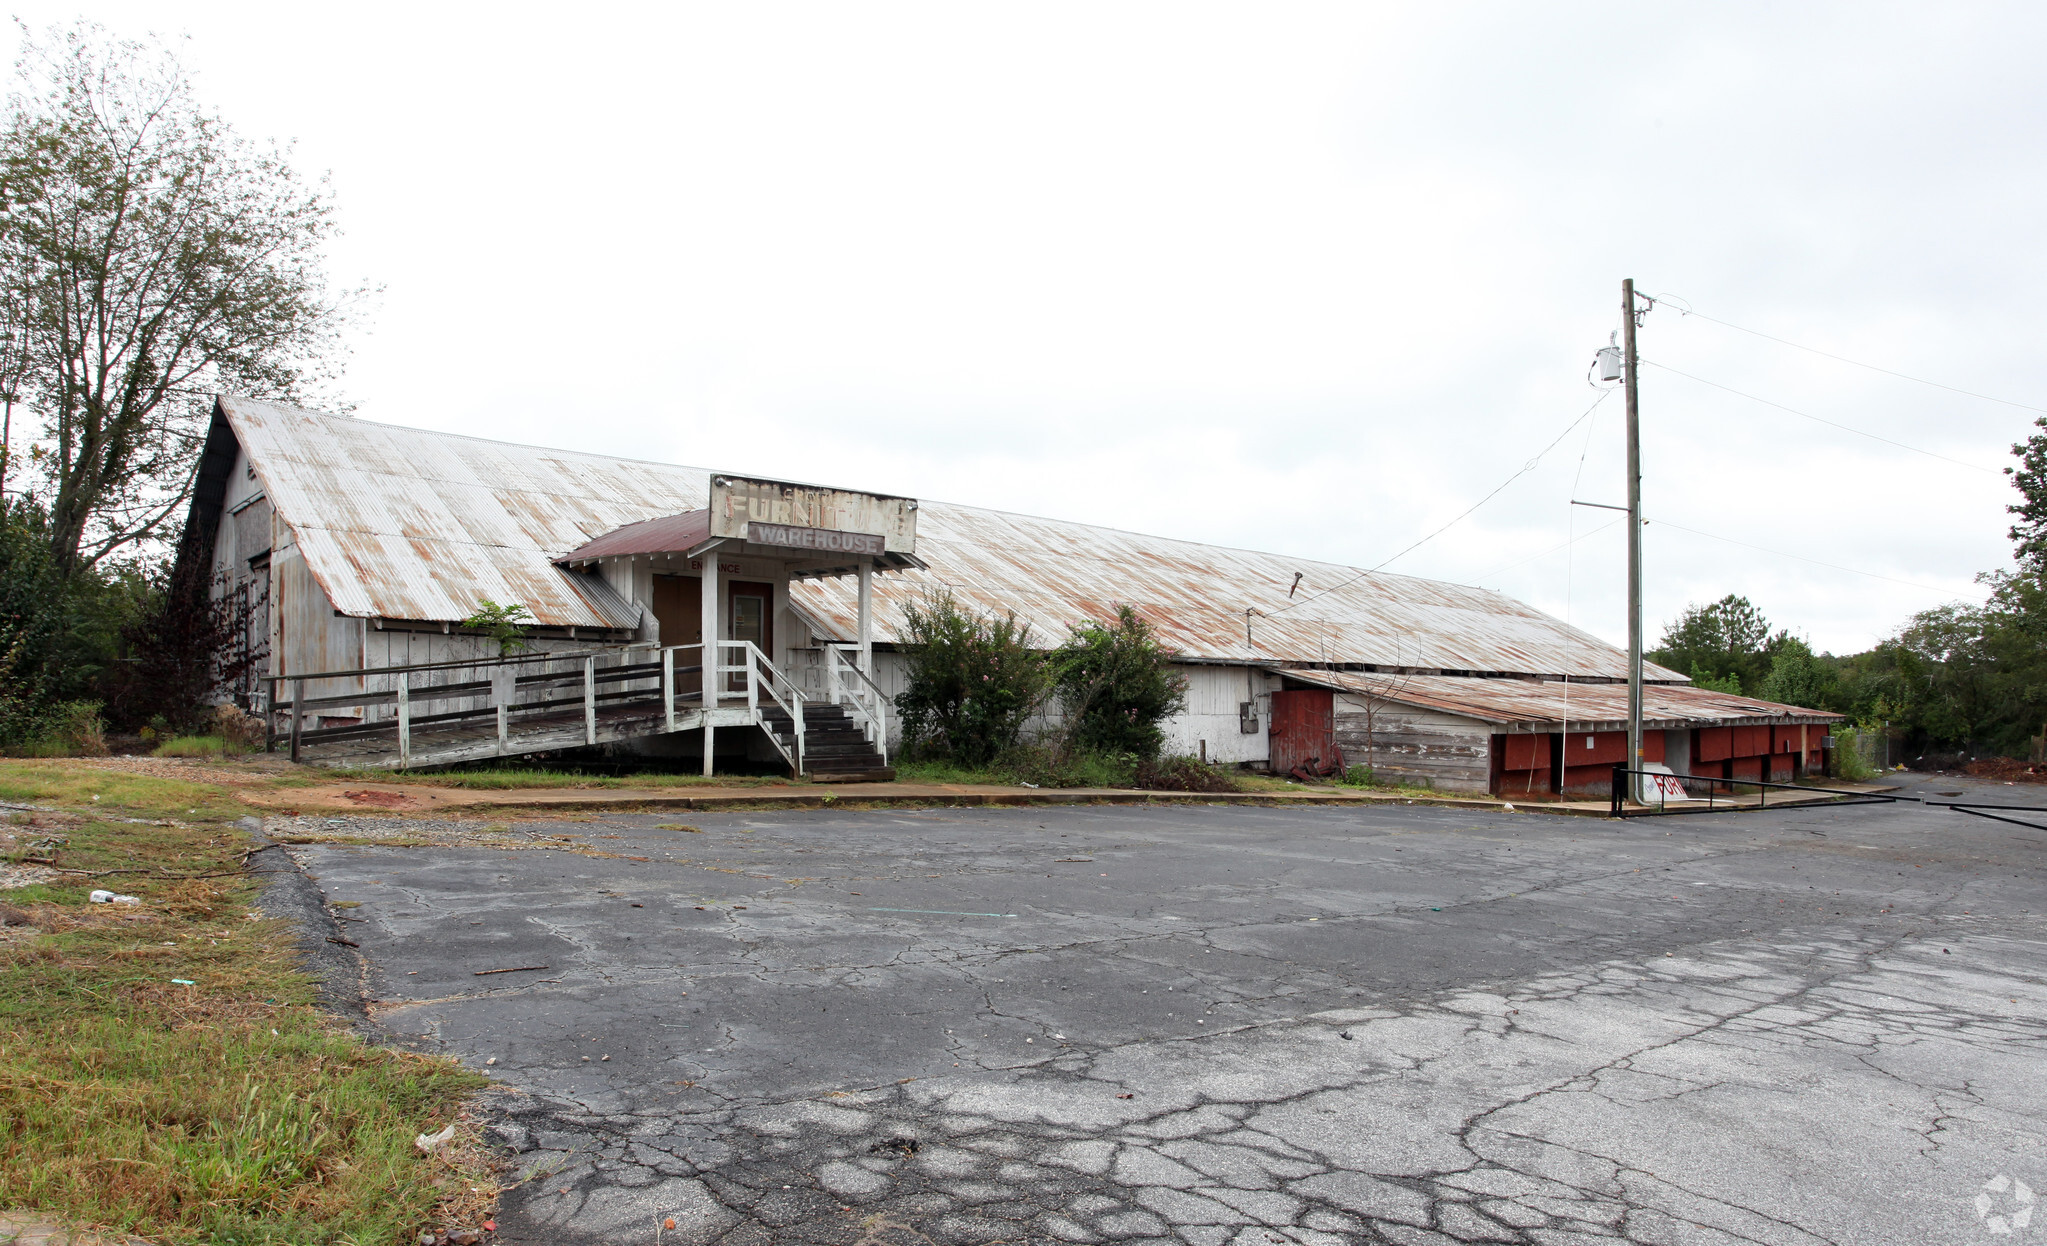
(1237,1025)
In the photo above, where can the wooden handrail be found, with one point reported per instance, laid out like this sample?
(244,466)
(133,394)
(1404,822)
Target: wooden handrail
(564,655)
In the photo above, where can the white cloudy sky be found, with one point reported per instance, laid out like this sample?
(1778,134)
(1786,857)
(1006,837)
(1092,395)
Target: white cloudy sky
(1302,278)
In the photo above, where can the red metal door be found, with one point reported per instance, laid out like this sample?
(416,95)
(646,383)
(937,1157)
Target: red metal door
(1303,729)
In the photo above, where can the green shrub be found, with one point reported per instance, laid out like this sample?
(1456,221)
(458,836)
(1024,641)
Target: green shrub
(972,681)
(1183,774)
(1849,762)
(1358,776)
(1117,687)
(63,729)
(507,625)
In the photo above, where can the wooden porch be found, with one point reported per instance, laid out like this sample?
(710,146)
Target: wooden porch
(445,713)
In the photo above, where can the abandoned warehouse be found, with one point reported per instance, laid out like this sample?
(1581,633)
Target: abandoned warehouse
(361,548)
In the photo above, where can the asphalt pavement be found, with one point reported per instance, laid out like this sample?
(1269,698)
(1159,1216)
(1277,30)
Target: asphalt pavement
(1237,1025)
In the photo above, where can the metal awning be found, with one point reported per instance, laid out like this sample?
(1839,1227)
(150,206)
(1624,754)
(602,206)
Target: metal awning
(808,553)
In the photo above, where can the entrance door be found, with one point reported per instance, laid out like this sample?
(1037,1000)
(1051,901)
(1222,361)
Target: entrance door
(752,617)
(679,610)
(1303,729)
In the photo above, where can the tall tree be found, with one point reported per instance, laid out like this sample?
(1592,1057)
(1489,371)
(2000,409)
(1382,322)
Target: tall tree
(1729,637)
(148,259)
(2029,533)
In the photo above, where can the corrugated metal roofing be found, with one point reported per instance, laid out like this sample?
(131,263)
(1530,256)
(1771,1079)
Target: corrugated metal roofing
(667,534)
(1053,573)
(1532,705)
(402,523)
(409,524)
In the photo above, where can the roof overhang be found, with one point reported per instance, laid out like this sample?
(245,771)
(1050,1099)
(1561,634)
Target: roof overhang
(805,553)
(1529,706)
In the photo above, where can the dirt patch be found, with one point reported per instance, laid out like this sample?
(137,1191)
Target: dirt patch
(2007,769)
(12,876)
(381,800)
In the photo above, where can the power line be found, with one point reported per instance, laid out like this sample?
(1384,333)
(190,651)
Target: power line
(1953,389)
(1820,419)
(1526,468)
(1800,557)
(1522,562)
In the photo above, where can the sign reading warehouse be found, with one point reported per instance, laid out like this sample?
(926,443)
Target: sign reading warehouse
(824,539)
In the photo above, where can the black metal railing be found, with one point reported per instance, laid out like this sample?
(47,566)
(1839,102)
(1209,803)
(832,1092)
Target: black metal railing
(1760,788)
(1984,811)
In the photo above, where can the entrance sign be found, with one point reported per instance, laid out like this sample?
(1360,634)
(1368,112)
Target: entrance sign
(751,509)
(824,539)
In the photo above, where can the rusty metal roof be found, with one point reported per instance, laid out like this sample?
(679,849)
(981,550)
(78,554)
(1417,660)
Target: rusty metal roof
(402,523)
(410,524)
(1531,705)
(668,534)
(1054,573)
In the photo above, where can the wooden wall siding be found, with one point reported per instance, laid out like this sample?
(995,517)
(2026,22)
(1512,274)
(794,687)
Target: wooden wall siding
(237,539)
(310,636)
(1451,753)
(1213,695)
(1589,771)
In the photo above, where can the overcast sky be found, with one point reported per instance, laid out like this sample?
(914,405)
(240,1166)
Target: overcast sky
(1310,279)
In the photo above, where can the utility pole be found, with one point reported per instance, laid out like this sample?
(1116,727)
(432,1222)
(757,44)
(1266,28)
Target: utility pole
(1632,370)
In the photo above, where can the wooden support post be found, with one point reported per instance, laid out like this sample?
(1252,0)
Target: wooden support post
(714,679)
(668,685)
(403,690)
(867,617)
(503,687)
(298,696)
(590,699)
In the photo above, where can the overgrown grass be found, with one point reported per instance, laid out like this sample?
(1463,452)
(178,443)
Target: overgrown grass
(229,1110)
(196,746)
(47,747)
(946,772)
(95,790)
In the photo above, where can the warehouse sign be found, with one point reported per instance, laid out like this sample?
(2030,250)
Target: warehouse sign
(824,540)
(812,517)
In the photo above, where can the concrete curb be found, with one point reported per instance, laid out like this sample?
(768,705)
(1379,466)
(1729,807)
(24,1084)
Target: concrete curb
(423,800)
(444,800)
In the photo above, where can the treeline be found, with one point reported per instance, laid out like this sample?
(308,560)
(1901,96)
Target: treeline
(136,644)
(1956,678)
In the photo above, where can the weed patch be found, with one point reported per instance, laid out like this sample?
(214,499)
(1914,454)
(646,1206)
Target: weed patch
(95,790)
(163,1068)
(197,746)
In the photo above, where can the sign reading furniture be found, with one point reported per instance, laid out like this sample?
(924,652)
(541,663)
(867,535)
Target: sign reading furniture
(812,517)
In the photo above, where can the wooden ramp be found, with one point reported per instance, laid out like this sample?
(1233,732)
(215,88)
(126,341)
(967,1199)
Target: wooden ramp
(444,713)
